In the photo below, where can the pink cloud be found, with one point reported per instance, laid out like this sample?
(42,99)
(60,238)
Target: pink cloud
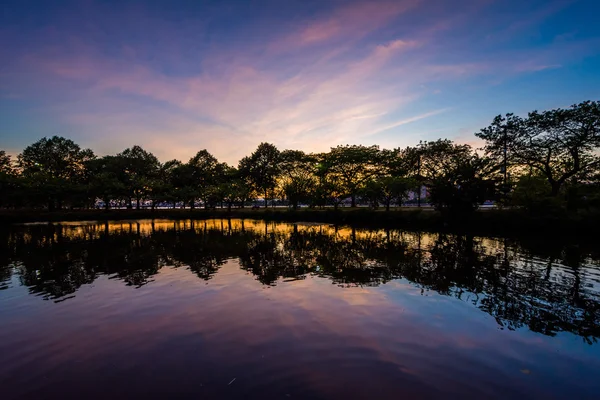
(349,22)
(316,87)
(314,109)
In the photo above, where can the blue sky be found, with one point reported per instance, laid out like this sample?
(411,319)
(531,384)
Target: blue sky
(180,76)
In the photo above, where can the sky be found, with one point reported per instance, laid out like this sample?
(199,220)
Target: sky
(180,76)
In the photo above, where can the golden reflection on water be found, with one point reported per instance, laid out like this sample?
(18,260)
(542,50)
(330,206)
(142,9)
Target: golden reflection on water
(93,230)
(413,240)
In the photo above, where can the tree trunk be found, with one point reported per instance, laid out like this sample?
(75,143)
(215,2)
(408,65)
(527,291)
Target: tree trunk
(137,203)
(387,204)
(266,202)
(106,204)
(192,204)
(353,197)
(555,188)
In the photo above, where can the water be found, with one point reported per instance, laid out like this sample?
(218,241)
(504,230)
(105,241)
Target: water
(253,310)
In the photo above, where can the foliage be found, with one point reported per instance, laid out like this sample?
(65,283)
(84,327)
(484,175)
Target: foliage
(53,170)
(140,171)
(7,179)
(262,168)
(351,167)
(457,178)
(561,144)
(298,176)
(203,177)
(531,193)
(387,190)
(6,166)
(106,179)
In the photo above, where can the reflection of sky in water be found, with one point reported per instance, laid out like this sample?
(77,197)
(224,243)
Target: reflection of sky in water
(307,338)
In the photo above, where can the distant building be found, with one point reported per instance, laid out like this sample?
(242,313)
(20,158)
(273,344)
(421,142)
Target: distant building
(413,195)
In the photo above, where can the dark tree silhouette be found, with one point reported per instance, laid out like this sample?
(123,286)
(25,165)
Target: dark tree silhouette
(560,144)
(54,169)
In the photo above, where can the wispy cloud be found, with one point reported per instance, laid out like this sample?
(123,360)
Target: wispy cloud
(408,121)
(343,75)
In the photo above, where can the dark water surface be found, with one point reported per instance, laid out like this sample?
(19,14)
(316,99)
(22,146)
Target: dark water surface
(253,310)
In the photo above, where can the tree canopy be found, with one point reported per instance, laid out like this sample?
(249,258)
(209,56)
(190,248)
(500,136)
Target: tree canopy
(560,144)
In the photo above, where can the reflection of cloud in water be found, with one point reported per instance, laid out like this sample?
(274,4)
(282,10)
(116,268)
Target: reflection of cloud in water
(546,288)
(307,337)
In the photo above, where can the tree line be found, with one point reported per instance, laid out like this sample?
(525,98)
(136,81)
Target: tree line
(548,159)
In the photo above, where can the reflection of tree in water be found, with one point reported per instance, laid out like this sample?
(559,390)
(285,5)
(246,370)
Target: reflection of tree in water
(6,246)
(49,264)
(547,288)
(201,248)
(522,292)
(267,258)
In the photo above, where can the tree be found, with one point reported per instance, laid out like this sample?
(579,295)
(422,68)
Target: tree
(329,189)
(387,189)
(204,168)
(298,180)
(184,186)
(560,144)
(106,179)
(7,179)
(407,162)
(164,189)
(240,190)
(231,187)
(457,178)
(141,169)
(352,166)
(391,182)
(262,168)
(531,193)
(54,168)
(6,165)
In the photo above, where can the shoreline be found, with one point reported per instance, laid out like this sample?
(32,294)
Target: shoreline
(486,222)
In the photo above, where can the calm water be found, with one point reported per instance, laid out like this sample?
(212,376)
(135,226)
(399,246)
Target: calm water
(254,310)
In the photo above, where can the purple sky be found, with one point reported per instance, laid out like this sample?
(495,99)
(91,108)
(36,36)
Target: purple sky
(179,76)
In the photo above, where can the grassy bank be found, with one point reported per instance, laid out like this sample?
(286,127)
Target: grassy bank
(489,222)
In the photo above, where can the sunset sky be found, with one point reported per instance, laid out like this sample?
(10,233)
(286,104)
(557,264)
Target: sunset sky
(179,76)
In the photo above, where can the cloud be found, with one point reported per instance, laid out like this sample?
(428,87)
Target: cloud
(336,77)
(348,23)
(532,67)
(243,103)
(408,121)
